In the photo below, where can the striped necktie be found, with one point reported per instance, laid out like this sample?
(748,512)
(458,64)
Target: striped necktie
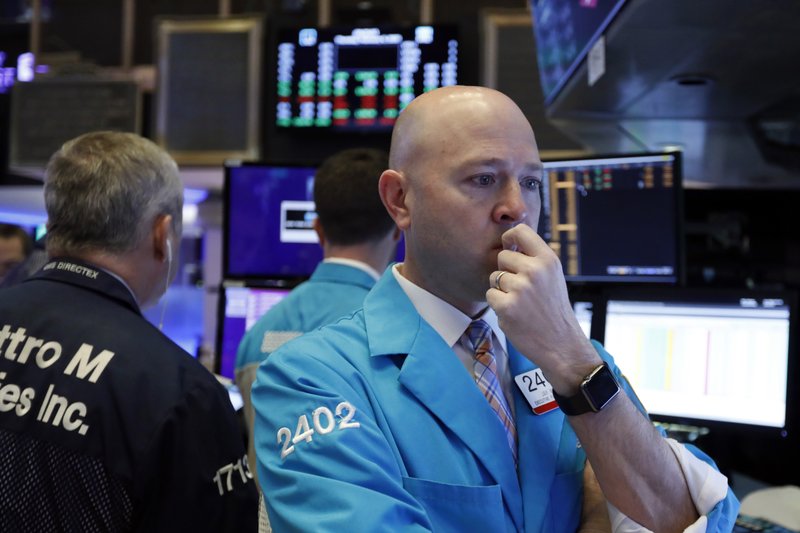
(485,372)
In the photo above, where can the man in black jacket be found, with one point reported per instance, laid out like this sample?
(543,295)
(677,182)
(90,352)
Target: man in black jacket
(105,424)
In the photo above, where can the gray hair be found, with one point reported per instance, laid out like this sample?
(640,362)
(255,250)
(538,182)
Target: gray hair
(103,190)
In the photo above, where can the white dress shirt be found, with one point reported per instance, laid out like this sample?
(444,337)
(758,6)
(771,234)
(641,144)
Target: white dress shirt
(450,324)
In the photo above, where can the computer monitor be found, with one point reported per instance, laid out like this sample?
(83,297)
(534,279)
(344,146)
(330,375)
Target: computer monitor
(615,218)
(361,78)
(268,216)
(267,222)
(565,32)
(239,308)
(723,357)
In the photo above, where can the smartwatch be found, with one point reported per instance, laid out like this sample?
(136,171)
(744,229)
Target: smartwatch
(596,391)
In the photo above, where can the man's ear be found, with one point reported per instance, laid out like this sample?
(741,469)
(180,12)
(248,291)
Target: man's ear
(319,231)
(161,234)
(393,188)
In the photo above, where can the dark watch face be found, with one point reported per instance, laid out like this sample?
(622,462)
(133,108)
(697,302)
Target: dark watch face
(601,389)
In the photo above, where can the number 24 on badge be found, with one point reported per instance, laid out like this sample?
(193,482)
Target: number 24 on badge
(537,391)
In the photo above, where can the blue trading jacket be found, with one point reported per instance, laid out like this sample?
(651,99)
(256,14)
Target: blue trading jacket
(373,424)
(334,290)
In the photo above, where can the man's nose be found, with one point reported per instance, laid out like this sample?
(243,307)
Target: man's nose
(511,208)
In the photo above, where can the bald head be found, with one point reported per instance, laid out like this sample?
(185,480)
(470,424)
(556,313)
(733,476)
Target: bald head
(437,118)
(464,168)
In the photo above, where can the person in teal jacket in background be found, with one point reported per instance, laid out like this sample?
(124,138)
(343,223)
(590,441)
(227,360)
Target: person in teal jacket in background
(358,240)
(402,418)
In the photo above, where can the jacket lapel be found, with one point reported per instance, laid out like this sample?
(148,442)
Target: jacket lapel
(540,438)
(435,376)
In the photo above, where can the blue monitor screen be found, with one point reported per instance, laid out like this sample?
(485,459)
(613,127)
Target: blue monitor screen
(268,222)
(269,212)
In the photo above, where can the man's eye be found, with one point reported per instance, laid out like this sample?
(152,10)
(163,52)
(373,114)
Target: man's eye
(531,184)
(485,179)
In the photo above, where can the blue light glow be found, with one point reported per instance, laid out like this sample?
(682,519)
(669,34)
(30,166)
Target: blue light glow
(22,218)
(194,196)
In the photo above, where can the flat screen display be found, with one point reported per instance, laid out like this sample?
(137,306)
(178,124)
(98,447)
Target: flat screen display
(359,78)
(706,356)
(240,307)
(268,221)
(268,217)
(565,30)
(615,218)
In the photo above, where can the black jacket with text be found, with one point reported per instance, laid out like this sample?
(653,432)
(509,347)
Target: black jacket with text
(106,424)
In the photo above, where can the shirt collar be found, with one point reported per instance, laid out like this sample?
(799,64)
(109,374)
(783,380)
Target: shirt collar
(446,320)
(78,272)
(355,264)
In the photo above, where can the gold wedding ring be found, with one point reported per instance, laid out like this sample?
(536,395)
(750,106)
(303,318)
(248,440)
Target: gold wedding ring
(497,280)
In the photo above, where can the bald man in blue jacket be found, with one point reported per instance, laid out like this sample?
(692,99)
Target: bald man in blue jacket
(399,418)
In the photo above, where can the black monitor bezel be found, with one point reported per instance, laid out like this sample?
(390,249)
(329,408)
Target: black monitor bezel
(680,266)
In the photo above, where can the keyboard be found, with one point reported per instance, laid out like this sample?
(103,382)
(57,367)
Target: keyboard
(748,524)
